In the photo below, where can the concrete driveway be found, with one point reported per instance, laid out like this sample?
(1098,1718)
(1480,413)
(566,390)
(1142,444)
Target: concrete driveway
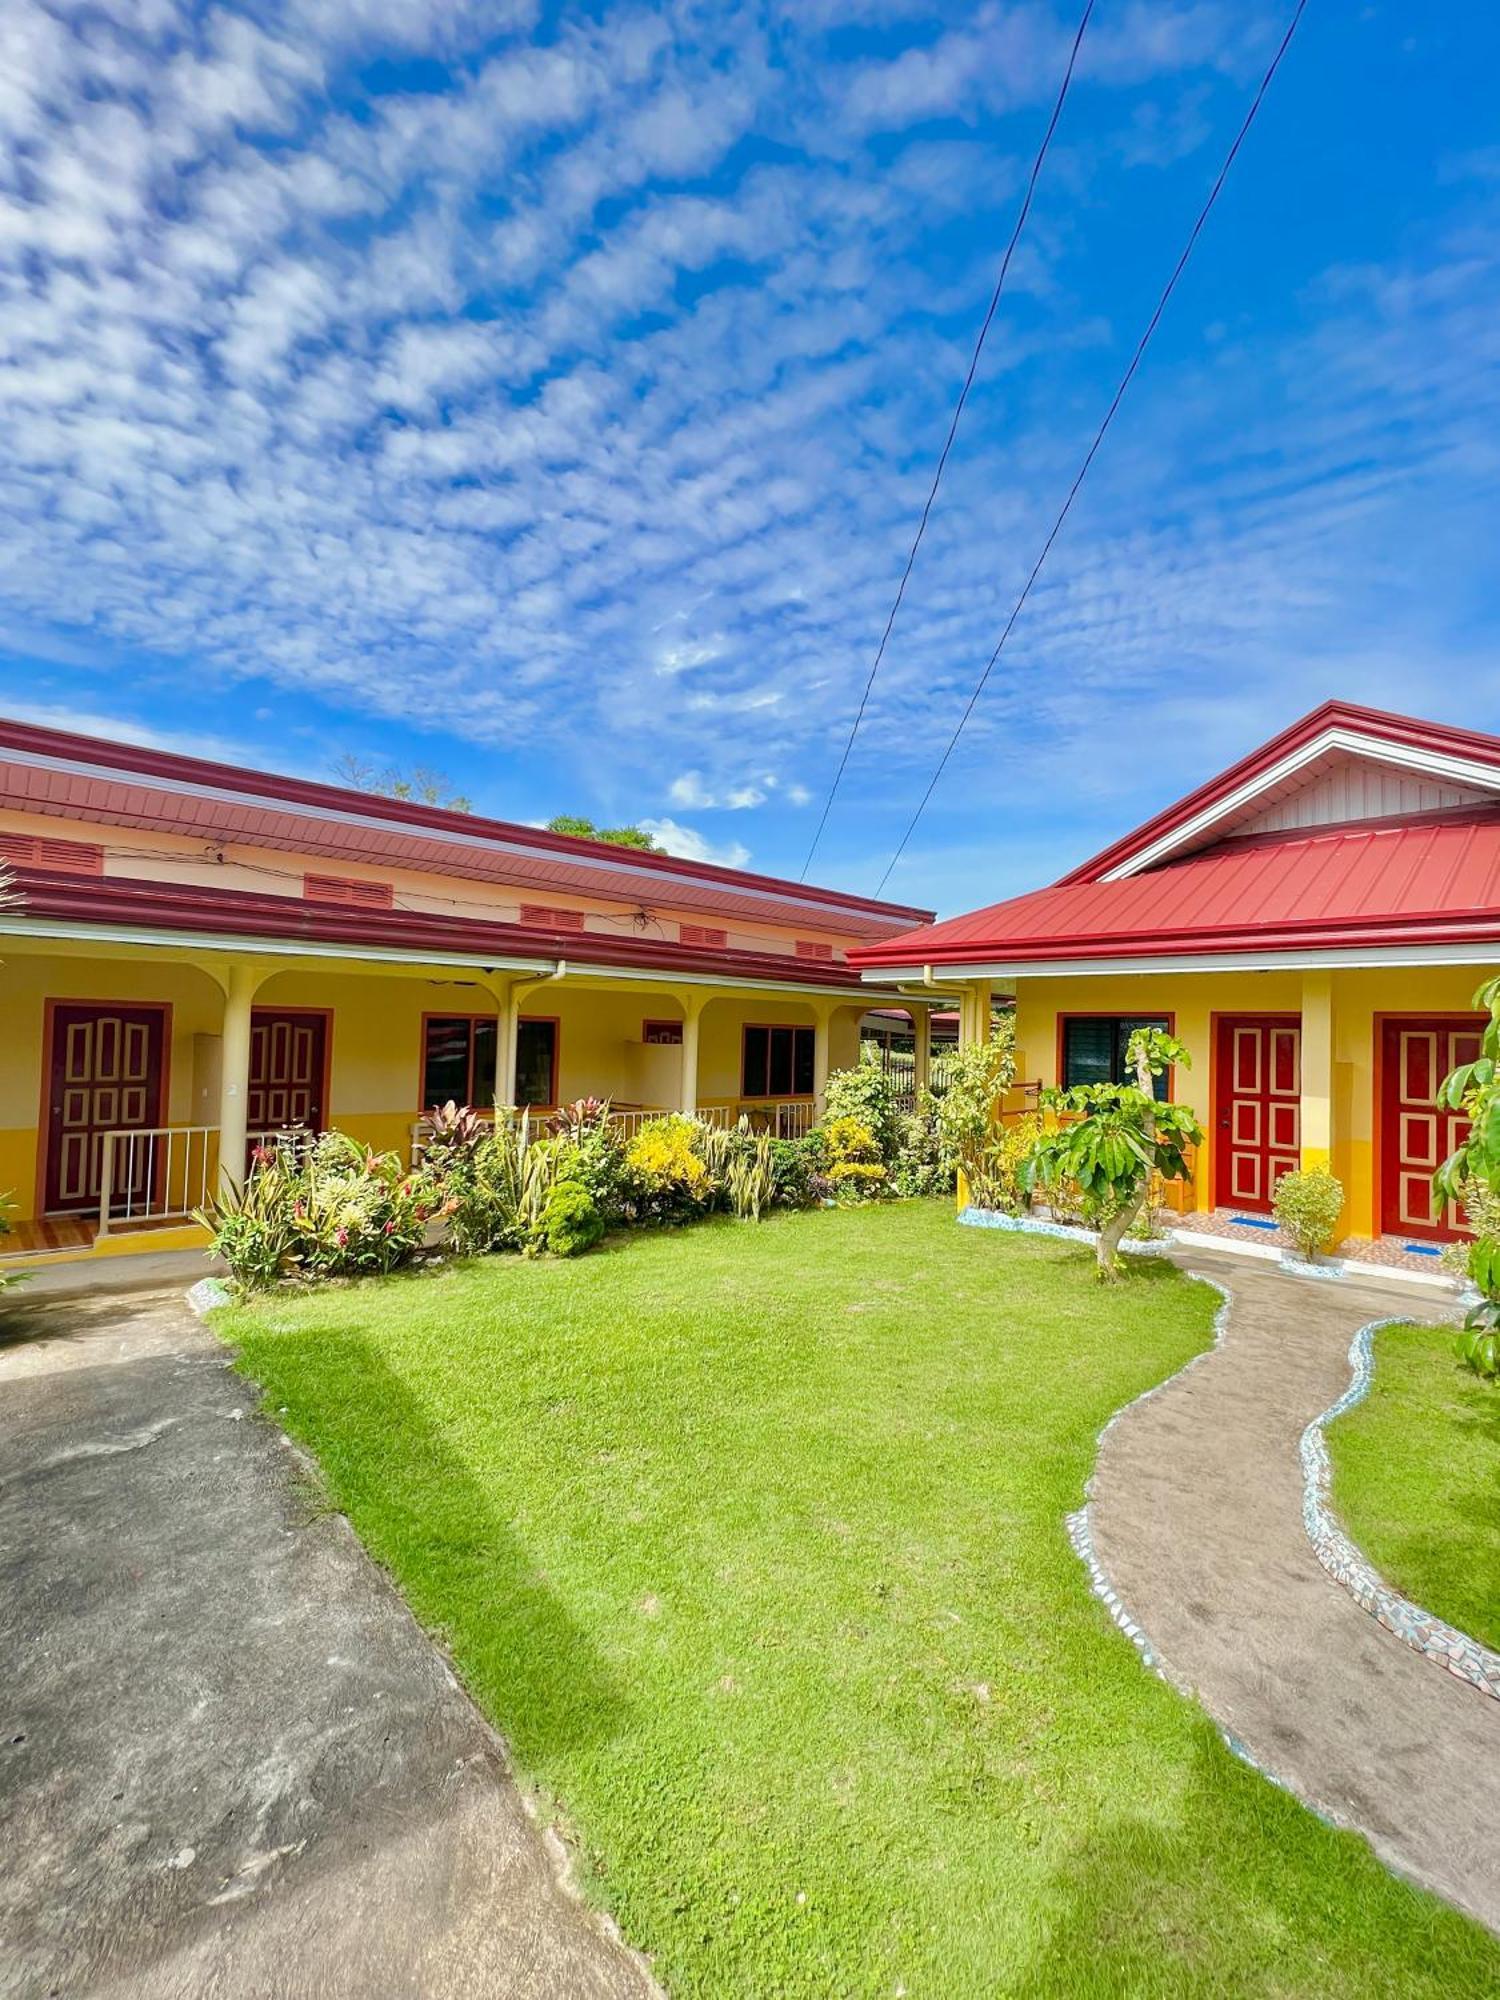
(230,1763)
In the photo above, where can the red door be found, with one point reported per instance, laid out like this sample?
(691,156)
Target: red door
(106,1073)
(1415,1136)
(287,1060)
(1258,1093)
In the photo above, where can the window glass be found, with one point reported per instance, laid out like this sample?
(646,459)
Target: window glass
(445,1061)
(778,1062)
(1094,1048)
(536,1059)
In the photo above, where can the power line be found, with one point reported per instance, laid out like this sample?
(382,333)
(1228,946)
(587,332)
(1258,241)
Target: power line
(1099,435)
(958,410)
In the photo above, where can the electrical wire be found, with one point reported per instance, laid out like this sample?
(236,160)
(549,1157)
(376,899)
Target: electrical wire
(1099,436)
(958,410)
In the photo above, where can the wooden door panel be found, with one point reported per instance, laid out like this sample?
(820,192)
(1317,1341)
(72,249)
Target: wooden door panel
(288,1054)
(1416,1133)
(106,1076)
(1258,1105)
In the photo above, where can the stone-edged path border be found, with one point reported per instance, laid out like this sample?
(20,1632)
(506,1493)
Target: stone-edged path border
(1422,1630)
(1193,1533)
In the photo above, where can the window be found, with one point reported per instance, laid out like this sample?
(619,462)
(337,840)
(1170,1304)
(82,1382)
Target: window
(778,1062)
(536,1062)
(662,1034)
(458,1060)
(353,895)
(1093,1047)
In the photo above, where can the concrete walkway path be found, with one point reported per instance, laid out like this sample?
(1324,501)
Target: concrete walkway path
(1196,1512)
(230,1763)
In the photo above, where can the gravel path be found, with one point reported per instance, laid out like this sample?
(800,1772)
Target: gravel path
(1196,1513)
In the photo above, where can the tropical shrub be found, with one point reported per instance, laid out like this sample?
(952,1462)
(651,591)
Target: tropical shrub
(979,1074)
(855,1167)
(489,1199)
(669,1176)
(750,1177)
(571,1222)
(580,1118)
(1471,1175)
(338,1210)
(921,1165)
(1308,1206)
(7,1210)
(1112,1138)
(454,1131)
(594,1155)
(866,1094)
(795,1166)
(995,1169)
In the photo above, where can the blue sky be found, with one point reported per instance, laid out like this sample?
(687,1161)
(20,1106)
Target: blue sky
(548,396)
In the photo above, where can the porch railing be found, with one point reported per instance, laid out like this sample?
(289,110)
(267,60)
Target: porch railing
(155,1174)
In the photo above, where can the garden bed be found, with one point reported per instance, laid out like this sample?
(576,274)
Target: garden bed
(752,1542)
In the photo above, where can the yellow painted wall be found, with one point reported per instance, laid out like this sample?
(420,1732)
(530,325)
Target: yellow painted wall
(1193,998)
(375,1068)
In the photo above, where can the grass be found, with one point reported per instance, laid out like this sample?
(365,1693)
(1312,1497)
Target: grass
(751,1541)
(1416,1470)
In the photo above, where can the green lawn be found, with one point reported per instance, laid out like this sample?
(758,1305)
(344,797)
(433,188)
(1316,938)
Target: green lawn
(1416,1478)
(751,1540)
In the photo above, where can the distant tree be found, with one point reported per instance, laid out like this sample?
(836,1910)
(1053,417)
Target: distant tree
(617,836)
(420,785)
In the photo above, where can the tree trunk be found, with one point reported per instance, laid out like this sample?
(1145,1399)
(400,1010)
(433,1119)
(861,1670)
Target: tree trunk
(1107,1252)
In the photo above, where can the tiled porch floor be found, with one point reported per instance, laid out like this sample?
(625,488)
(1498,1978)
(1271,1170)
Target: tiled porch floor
(49,1234)
(1388,1252)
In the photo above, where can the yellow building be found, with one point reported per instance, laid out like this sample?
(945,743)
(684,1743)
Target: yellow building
(1311,924)
(200,955)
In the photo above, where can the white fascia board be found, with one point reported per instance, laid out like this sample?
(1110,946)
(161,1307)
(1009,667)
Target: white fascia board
(1430,763)
(660,976)
(1351,958)
(268,947)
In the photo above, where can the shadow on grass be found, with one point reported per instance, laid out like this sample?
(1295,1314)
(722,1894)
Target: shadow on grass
(445,1531)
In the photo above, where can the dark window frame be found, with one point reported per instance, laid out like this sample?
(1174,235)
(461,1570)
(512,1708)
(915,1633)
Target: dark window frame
(801,1060)
(470,1021)
(1123,1026)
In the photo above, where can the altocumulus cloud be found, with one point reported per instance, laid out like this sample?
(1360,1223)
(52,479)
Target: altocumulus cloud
(562,384)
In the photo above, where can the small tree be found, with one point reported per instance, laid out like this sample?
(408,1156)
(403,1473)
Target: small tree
(979,1074)
(1471,1175)
(1112,1138)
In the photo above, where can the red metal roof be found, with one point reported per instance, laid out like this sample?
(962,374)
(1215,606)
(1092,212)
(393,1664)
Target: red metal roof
(83,777)
(1353,885)
(124,904)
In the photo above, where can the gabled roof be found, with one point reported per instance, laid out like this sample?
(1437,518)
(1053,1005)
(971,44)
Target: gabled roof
(83,777)
(1419,882)
(1460,761)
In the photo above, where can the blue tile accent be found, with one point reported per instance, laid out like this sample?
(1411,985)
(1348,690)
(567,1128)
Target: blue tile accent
(1421,1249)
(1252,1222)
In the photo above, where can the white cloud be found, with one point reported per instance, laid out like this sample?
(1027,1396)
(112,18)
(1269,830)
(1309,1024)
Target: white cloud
(694,846)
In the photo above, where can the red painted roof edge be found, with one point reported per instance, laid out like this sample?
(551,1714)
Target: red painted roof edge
(123,900)
(167,766)
(1407,730)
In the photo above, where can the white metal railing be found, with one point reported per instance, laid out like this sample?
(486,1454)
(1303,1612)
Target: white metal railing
(154,1174)
(785,1119)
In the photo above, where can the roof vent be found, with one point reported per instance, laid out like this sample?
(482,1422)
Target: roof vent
(52,857)
(704,935)
(543,917)
(352,894)
(813,948)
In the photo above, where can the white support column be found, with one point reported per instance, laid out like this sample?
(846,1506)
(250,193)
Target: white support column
(921,1027)
(974,1013)
(693,1004)
(507,1011)
(243,983)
